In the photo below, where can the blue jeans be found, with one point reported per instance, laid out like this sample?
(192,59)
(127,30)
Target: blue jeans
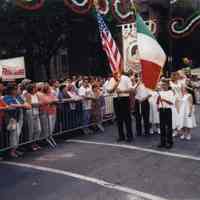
(86,117)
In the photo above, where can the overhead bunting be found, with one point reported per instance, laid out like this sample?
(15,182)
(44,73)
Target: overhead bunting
(30,4)
(180,28)
(120,9)
(79,6)
(103,6)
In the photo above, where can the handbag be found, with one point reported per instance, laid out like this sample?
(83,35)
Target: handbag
(12,125)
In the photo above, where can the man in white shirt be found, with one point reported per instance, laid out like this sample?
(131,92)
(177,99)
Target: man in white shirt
(166,100)
(85,92)
(120,87)
(142,109)
(105,92)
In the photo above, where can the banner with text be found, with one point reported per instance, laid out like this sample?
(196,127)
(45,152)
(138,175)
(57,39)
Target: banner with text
(13,68)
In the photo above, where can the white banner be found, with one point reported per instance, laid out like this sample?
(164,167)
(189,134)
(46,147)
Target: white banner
(130,51)
(13,68)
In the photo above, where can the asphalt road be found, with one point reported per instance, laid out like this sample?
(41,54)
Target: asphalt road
(95,167)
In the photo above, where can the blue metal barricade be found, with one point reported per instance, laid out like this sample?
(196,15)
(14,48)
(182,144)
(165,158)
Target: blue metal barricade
(34,124)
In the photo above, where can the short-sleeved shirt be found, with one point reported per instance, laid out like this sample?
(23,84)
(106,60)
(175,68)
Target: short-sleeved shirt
(142,92)
(124,84)
(169,96)
(86,92)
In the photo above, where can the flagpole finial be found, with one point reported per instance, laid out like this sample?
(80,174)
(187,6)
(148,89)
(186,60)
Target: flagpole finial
(133,7)
(96,4)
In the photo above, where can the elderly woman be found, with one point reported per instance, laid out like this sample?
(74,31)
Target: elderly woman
(33,119)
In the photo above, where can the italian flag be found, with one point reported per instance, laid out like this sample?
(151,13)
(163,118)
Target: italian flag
(152,56)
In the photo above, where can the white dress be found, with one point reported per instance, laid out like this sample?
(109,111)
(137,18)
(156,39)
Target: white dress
(186,121)
(154,114)
(176,88)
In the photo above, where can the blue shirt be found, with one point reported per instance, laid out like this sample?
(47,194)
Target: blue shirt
(12,100)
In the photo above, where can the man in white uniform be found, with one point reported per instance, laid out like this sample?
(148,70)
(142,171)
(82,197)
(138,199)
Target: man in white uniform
(142,109)
(120,87)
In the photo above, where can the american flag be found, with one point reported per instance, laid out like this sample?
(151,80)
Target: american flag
(109,45)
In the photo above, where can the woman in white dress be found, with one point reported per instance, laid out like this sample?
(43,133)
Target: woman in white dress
(175,85)
(187,115)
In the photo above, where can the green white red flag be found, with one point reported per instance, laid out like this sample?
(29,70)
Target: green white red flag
(152,56)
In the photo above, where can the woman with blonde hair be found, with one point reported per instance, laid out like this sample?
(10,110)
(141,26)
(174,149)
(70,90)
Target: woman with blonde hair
(187,116)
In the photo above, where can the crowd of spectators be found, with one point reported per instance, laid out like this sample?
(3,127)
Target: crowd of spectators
(47,107)
(33,112)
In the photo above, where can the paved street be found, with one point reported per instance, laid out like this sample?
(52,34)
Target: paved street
(95,167)
(69,66)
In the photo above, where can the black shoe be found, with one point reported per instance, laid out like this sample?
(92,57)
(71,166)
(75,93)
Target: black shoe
(161,146)
(169,146)
(147,134)
(129,140)
(120,139)
(19,153)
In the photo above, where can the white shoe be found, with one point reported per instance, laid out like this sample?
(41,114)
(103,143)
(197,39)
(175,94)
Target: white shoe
(50,143)
(175,133)
(101,127)
(158,131)
(151,131)
(182,137)
(53,141)
(86,131)
(188,137)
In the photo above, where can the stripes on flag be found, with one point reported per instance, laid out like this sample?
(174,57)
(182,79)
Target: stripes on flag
(152,56)
(109,45)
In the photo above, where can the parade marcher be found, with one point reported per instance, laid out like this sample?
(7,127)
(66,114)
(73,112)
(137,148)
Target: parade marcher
(165,101)
(121,86)
(142,109)
(154,113)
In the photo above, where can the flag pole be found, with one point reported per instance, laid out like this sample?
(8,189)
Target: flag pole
(134,10)
(95,4)
(133,7)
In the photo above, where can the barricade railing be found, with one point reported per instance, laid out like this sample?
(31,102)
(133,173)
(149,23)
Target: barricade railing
(25,126)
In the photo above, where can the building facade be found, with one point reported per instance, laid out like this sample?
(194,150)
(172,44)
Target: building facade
(61,37)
